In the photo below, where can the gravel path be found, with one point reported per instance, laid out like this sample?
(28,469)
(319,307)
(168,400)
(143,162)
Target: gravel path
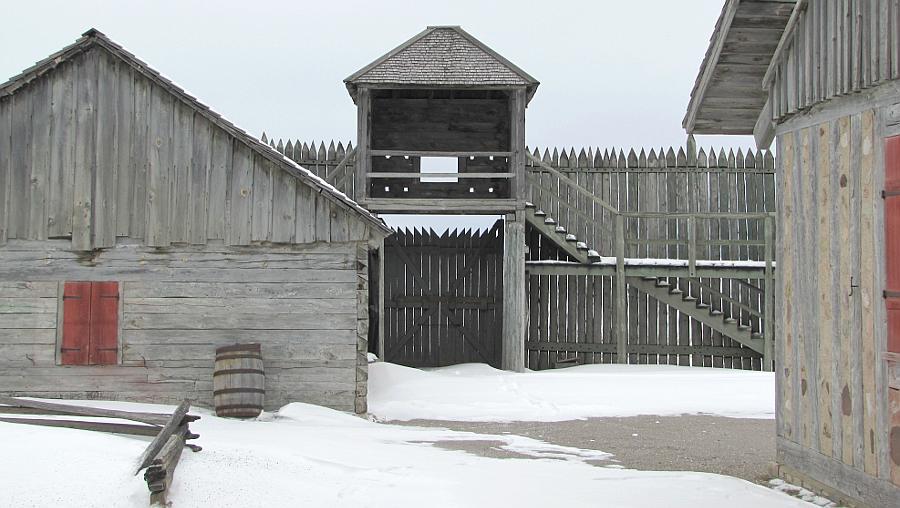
(731,446)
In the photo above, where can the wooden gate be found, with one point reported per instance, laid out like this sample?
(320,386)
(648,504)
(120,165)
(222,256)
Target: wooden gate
(442,297)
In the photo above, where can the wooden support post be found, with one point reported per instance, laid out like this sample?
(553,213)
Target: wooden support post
(769,297)
(381,306)
(517,144)
(363,161)
(619,299)
(513,342)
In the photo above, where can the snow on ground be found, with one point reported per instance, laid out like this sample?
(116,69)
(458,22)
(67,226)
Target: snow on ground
(477,392)
(310,456)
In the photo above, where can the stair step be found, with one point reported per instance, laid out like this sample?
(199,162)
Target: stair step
(593,255)
(730,321)
(662,284)
(529,204)
(757,335)
(743,327)
(550,221)
(689,298)
(650,278)
(540,213)
(715,312)
(675,291)
(581,246)
(570,237)
(702,305)
(561,230)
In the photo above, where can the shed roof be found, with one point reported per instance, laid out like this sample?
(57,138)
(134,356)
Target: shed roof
(442,56)
(94,37)
(728,94)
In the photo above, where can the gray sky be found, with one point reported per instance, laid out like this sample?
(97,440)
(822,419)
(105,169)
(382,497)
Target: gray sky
(612,73)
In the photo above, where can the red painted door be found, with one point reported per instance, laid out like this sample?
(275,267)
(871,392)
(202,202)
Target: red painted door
(76,338)
(892,239)
(104,323)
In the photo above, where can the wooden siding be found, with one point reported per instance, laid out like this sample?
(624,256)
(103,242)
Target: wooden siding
(94,151)
(301,303)
(836,47)
(832,369)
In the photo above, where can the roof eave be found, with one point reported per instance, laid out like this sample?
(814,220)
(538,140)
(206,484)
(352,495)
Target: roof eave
(707,67)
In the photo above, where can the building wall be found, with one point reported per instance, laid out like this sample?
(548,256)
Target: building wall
(833,372)
(108,174)
(94,151)
(302,303)
(837,47)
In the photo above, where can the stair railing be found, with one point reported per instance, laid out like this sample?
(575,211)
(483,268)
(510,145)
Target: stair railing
(560,196)
(341,177)
(612,232)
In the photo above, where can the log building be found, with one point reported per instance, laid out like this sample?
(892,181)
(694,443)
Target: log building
(139,230)
(822,77)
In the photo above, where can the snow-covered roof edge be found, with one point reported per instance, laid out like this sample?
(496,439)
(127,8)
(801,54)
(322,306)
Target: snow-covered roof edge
(94,37)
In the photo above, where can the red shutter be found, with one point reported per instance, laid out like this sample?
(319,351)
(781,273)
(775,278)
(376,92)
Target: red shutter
(104,323)
(76,323)
(892,239)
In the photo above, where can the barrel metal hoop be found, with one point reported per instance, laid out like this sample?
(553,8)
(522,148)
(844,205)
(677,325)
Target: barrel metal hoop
(238,371)
(224,391)
(239,357)
(255,348)
(238,406)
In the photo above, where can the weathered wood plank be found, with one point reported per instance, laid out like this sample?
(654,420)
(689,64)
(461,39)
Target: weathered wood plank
(240,200)
(269,291)
(75,410)
(786,237)
(252,321)
(62,152)
(263,179)
(180,200)
(125,165)
(868,284)
(201,159)
(218,185)
(106,170)
(5,169)
(159,170)
(38,184)
(825,293)
(85,154)
(160,440)
(140,158)
(284,207)
(846,282)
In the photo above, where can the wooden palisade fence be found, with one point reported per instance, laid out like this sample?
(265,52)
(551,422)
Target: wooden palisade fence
(708,206)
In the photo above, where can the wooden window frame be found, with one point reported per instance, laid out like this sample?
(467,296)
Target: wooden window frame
(60,320)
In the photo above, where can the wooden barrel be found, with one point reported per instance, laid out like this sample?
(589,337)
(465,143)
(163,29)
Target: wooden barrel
(239,382)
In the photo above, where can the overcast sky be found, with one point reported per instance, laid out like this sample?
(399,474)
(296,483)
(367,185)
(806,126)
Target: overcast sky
(612,73)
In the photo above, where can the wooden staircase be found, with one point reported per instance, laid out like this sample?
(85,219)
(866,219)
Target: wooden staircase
(568,242)
(657,287)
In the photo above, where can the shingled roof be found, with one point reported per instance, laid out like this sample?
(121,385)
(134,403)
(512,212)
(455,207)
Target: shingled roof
(442,56)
